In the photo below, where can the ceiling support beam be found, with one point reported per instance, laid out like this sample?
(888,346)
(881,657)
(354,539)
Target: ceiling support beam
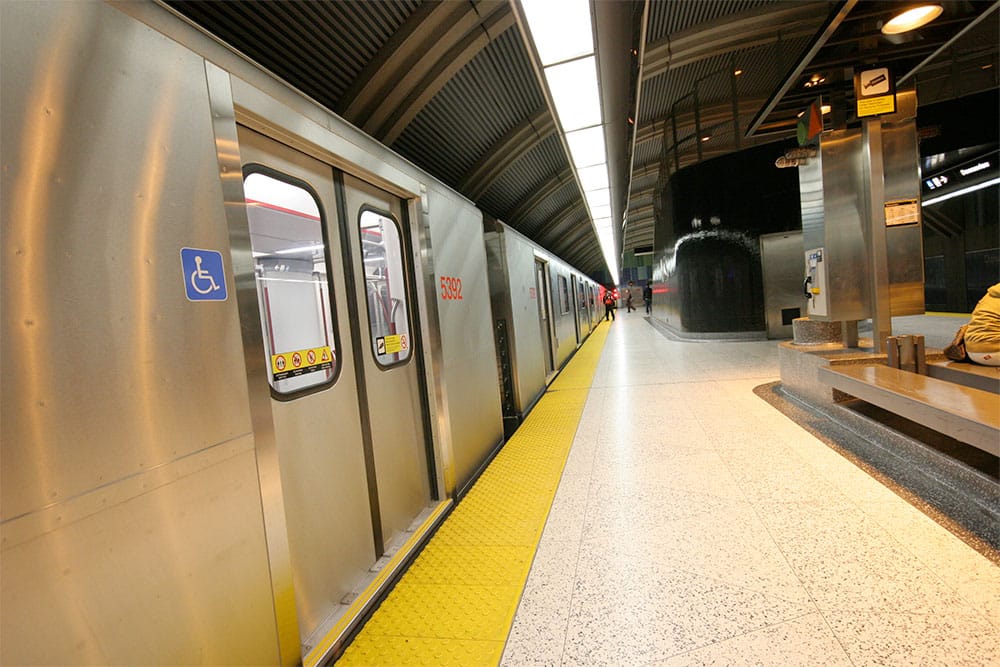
(833,21)
(555,229)
(454,60)
(543,192)
(433,45)
(756,27)
(506,152)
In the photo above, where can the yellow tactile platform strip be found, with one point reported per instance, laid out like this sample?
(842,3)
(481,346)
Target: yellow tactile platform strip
(456,603)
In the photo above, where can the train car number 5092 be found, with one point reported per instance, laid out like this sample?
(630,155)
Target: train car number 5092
(451,288)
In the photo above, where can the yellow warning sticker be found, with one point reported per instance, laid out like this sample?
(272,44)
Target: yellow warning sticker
(300,362)
(390,344)
(874,106)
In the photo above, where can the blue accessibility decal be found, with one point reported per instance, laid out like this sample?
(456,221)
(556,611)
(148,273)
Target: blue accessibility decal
(204,274)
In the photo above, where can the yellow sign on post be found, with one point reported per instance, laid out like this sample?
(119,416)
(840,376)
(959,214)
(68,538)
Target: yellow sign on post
(875,92)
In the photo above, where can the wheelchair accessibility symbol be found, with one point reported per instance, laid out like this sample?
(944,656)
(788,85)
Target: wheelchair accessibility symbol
(204,275)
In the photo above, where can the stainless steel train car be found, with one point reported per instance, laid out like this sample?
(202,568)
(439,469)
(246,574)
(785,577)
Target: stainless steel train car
(248,352)
(543,309)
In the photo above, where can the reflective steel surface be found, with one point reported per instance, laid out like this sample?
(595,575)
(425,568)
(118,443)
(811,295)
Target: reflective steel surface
(132,524)
(781,262)
(836,177)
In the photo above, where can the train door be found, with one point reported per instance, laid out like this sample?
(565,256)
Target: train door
(544,314)
(383,283)
(576,305)
(335,468)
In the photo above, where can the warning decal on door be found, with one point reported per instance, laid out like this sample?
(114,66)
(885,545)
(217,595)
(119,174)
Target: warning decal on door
(299,362)
(390,344)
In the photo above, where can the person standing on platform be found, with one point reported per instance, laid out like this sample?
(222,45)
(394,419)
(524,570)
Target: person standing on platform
(647,296)
(609,305)
(628,297)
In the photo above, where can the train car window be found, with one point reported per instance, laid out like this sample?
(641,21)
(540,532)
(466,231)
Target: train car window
(563,295)
(293,289)
(385,285)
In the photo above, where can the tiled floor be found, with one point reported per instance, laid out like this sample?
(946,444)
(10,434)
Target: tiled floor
(697,525)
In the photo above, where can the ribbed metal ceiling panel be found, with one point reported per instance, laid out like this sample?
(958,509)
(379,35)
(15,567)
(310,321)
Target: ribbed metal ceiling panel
(565,198)
(320,48)
(515,184)
(666,18)
(647,152)
(488,97)
(761,67)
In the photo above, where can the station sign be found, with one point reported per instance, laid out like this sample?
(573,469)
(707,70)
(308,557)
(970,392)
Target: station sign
(875,92)
(972,172)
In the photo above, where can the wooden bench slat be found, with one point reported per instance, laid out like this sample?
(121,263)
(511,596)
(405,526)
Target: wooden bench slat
(964,413)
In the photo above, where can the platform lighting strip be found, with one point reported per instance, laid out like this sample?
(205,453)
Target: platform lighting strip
(564,41)
(959,193)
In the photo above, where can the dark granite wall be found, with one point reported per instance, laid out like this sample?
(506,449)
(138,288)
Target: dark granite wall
(707,256)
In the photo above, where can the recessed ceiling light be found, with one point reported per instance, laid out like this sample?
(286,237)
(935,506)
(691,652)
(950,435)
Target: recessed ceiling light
(815,80)
(912,19)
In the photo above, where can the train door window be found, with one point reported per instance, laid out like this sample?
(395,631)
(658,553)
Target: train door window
(385,286)
(293,290)
(563,295)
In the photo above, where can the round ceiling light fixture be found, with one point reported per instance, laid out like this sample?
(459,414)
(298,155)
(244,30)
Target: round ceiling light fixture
(912,19)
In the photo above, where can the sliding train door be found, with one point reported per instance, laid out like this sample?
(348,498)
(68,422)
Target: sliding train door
(387,347)
(302,296)
(544,314)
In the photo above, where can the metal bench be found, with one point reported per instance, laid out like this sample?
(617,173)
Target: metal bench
(967,414)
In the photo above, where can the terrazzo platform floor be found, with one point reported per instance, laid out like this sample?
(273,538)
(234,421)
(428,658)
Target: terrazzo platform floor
(696,525)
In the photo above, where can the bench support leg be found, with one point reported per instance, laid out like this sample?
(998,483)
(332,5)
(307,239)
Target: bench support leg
(849,333)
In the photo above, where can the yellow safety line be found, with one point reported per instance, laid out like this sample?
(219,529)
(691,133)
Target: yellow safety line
(331,637)
(456,603)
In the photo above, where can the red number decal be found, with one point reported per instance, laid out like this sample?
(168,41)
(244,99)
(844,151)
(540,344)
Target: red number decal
(451,288)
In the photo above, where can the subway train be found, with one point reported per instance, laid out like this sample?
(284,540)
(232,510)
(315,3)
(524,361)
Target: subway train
(251,357)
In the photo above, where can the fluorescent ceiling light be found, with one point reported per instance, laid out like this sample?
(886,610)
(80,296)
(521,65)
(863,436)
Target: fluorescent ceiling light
(574,91)
(600,211)
(564,41)
(958,193)
(561,30)
(912,19)
(594,178)
(587,146)
(597,198)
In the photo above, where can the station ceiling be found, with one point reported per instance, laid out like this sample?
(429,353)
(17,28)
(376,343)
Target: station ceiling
(453,87)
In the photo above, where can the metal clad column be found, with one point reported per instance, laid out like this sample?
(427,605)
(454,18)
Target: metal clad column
(874,211)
